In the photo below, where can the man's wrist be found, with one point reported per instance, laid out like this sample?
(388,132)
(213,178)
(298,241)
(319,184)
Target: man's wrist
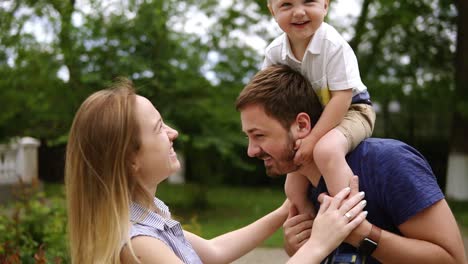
(370,243)
(359,234)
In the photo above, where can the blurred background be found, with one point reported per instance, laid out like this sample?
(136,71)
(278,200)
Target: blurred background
(191,58)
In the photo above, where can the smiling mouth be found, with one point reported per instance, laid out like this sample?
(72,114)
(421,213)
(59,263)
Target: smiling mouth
(300,23)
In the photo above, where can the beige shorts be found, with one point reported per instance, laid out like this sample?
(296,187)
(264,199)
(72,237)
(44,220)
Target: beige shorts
(357,124)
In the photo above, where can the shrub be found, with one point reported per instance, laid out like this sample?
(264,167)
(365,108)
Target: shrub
(33,228)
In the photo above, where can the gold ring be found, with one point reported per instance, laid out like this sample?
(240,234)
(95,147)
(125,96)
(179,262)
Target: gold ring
(348,216)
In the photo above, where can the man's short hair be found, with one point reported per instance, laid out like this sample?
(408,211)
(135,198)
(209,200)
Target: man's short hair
(283,93)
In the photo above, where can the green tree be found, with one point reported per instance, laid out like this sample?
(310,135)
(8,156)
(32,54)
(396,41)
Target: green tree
(457,179)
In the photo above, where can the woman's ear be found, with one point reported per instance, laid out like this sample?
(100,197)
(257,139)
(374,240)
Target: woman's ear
(134,165)
(302,125)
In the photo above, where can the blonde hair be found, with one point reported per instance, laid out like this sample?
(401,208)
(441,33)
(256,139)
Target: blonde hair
(103,138)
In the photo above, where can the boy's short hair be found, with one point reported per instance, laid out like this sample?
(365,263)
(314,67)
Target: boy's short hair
(283,93)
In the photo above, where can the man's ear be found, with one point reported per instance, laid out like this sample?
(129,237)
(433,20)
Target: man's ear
(301,126)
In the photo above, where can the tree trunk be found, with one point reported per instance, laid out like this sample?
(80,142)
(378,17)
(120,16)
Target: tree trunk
(457,173)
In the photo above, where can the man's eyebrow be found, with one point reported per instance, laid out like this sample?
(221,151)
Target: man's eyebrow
(249,131)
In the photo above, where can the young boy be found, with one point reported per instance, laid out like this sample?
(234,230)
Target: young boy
(318,51)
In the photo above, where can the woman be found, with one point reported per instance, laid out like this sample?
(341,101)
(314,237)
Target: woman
(118,152)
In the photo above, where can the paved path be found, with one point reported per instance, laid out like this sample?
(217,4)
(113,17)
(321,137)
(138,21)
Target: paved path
(278,256)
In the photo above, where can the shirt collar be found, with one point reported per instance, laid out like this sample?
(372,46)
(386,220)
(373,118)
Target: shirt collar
(314,47)
(143,216)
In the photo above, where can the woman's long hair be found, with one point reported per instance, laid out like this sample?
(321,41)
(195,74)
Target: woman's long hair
(100,187)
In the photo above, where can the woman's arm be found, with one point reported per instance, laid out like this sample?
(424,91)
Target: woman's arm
(148,250)
(233,245)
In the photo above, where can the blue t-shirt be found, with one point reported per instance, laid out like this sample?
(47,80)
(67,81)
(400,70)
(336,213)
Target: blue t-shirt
(397,180)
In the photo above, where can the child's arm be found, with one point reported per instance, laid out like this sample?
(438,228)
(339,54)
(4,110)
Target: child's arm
(332,115)
(233,245)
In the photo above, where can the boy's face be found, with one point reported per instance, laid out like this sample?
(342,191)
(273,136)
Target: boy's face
(299,19)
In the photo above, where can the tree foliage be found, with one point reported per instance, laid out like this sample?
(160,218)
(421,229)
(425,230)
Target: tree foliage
(405,51)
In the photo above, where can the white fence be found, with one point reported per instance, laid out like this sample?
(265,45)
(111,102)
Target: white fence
(18,161)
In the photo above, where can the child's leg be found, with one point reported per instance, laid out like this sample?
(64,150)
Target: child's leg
(329,156)
(330,151)
(295,187)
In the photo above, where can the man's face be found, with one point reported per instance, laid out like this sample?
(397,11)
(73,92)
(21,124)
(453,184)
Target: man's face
(268,141)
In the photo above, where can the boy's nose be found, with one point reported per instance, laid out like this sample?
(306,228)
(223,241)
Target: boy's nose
(298,12)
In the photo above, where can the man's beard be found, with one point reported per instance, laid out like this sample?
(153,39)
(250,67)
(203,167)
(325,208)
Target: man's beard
(284,162)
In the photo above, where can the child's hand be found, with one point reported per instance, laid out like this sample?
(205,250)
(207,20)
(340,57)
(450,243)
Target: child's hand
(305,149)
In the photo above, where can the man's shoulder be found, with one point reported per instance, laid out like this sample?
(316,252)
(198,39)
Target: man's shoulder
(381,145)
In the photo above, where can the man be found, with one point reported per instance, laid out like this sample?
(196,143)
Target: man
(409,220)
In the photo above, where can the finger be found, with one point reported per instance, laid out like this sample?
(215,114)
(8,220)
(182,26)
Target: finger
(302,236)
(297,219)
(326,200)
(292,211)
(357,221)
(297,144)
(339,197)
(303,226)
(298,158)
(354,185)
(302,243)
(321,196)
(356,210)
(352,202)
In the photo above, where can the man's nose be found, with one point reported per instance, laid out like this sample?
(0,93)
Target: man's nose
(252,149)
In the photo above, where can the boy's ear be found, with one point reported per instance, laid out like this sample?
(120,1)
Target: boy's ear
(326,5)
(270,8)
(302,125)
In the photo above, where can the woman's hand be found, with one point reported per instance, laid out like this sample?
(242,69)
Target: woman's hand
(332,223)
(335,220)
(337,217)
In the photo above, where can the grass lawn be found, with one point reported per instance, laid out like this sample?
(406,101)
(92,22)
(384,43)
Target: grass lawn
(460,210)
(225,208)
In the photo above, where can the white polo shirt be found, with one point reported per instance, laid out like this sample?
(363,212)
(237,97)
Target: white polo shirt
(329,62)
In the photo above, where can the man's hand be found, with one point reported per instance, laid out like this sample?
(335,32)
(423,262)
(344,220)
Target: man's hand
(296,230)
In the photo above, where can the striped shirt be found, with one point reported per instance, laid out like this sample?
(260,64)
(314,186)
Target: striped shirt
(169,231)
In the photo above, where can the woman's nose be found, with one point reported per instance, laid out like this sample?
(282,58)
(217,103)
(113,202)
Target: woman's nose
(172,133)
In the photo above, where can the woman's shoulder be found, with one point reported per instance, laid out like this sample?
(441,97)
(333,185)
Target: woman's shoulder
(149,249)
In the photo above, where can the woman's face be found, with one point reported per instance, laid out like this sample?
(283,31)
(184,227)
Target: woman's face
(156,159)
